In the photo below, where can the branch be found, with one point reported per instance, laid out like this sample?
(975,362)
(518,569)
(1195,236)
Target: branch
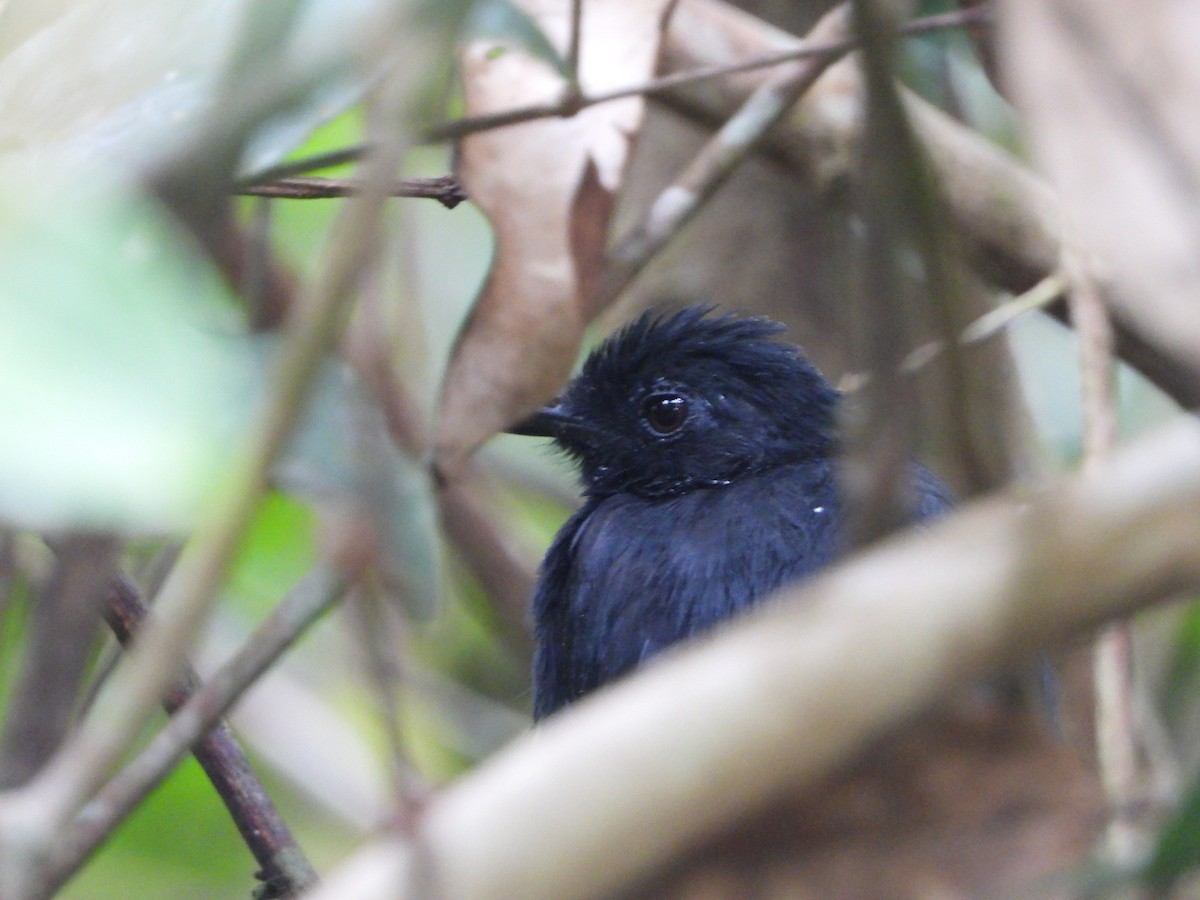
(445,189)
(306,164)
(783,697)
(63,625)
(572,102)
(1117,739)
(194,717)
(285,869)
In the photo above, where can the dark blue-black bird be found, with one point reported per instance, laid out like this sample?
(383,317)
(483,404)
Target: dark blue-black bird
(706,451)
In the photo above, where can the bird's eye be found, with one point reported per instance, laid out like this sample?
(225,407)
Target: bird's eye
(665,413)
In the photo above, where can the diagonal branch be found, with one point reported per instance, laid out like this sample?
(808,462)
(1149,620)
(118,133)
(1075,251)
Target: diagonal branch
(195,717)
(285,869)
(784,696)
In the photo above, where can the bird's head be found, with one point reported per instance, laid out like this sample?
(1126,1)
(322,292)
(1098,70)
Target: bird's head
(688,400)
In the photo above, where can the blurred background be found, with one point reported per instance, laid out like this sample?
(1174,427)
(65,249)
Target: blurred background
(138,355)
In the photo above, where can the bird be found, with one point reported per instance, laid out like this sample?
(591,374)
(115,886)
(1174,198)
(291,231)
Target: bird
(707,454)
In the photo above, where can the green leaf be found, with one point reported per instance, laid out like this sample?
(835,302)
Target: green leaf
(509,25)
(1178,848)
(1180,695)
(109,79)
(130,83)
(125,378)
(278,550)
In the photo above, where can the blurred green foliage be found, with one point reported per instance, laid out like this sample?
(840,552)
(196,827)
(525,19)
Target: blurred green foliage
(123,364)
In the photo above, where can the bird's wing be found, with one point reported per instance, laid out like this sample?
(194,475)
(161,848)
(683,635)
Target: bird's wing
(932,497)
(551,616)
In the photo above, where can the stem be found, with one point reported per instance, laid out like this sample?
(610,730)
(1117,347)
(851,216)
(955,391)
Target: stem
(445,189)
(1112,660)
(63,626)
(285,869)
(195,716)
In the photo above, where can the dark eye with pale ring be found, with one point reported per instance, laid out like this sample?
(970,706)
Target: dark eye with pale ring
(665,413)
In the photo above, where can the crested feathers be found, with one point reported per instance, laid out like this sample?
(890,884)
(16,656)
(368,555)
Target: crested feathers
(694,337)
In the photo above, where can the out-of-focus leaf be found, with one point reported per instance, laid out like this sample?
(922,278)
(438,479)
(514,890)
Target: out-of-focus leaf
(1178,848)
(282,134)
(342,454)
(507,25)
(1109,95)
(1183,672)
(128,82)
(276,553)
(322,51)
(548,189)
(124,379)
(109,79)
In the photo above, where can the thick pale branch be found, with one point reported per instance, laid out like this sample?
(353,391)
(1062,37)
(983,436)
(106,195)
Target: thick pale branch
(784,697)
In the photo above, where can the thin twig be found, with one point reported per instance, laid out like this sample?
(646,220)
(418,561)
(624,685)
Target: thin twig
(196,717)
(444,188)
(574,93)
(1049,290)
(381,633)
(1112,656)
(453,130)
(821,50)
(286,871)
(339,157)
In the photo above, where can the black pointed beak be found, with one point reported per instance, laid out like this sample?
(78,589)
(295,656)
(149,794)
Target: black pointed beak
(550,421)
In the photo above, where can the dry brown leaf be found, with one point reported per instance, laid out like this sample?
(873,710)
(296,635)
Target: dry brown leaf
(1109,91)
(548,189)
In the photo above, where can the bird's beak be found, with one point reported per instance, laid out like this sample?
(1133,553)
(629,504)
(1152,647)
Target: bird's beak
(546,422)
(550,421)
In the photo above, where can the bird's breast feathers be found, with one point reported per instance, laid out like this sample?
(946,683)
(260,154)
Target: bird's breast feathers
(630,576)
